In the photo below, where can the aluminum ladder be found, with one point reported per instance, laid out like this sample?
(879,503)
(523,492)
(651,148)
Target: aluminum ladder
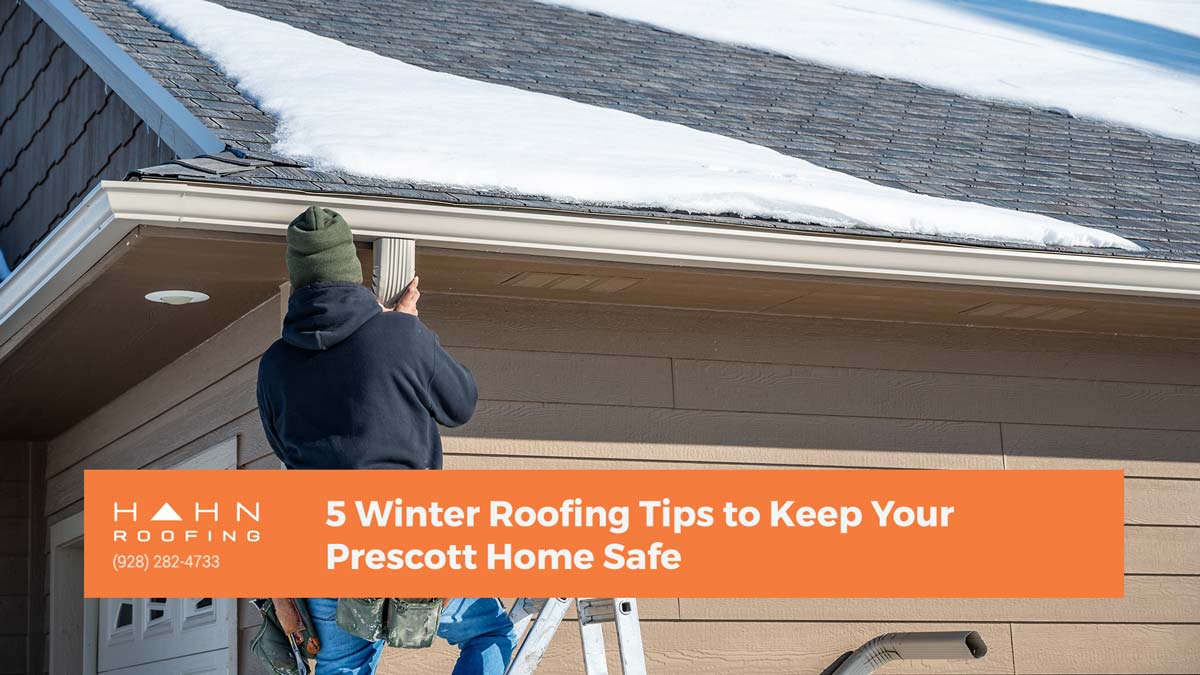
(593,614)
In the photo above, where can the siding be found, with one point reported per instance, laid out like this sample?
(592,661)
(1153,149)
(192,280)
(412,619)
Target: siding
(61,131)
(581,385)
(20,507)
(14,492)
(204,397)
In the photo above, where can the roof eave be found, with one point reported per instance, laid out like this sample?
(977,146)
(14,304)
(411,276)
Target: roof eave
(114,208)
(182,131)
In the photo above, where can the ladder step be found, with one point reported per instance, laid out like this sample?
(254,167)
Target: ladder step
(602,610)
(592,612)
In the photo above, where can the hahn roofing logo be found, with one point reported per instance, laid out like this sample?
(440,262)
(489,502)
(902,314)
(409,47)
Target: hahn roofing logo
(211,522)
(167,512)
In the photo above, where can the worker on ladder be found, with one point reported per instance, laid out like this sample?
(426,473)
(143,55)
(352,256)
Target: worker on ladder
(354,385)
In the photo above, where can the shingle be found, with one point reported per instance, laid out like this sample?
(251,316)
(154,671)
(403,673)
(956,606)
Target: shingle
(892,132)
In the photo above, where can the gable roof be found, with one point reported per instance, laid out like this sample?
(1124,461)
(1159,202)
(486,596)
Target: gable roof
(890,132)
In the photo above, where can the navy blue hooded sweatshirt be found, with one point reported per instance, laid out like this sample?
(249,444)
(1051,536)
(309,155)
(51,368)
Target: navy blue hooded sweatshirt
(350,386)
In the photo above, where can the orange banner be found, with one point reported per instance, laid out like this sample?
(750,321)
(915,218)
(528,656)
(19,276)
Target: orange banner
(604,533)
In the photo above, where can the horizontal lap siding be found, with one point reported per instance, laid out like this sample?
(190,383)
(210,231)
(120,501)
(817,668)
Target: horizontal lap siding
(777,392)
(870,392)
(667,434)
(15,556)
(732,648)
(201,399)
(592,386)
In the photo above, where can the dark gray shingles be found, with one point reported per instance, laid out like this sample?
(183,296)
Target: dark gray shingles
(889,131)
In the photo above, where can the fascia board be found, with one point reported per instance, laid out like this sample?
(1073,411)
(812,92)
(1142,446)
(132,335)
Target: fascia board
(113,209)
(655,241)
(82,238)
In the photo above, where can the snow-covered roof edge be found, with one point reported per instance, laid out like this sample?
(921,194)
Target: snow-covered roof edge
(673,167)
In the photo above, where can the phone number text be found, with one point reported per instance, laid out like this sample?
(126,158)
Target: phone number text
(164,561)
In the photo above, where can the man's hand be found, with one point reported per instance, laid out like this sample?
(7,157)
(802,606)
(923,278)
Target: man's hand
(408,299)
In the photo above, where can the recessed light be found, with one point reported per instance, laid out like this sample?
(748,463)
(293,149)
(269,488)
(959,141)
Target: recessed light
(177,297)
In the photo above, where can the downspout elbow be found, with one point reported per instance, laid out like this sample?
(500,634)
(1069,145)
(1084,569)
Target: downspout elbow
(906,646)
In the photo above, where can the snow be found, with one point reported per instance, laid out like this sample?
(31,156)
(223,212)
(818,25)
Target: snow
(1178,15)
(346,109)
(1133,63)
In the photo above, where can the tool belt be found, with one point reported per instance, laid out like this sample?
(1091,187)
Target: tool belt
(410,623)
(286,639)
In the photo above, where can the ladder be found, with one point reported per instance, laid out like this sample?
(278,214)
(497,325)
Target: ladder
(593,614)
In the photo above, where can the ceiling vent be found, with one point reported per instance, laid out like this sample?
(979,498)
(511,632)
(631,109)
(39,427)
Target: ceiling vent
(590,283)
(1005,310)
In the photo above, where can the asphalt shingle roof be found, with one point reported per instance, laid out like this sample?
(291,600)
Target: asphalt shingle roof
(890,132)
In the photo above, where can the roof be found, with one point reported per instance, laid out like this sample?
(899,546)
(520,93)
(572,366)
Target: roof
(890,132)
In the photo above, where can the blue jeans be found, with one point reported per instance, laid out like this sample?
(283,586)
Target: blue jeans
(479,627)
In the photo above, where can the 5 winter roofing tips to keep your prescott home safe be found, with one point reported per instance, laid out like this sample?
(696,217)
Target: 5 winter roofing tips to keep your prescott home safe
(373,123)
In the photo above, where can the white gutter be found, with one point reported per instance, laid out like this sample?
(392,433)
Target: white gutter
(114,208)
(163,113)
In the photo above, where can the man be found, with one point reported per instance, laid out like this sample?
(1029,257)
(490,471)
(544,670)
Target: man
(352,385)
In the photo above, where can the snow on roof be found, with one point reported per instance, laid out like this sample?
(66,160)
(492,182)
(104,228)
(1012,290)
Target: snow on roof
(1133,63)
(341,108)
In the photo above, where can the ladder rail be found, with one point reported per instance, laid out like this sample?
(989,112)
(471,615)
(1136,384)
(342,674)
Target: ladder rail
(629,636)
(593,613)
(595,661)
(537,640)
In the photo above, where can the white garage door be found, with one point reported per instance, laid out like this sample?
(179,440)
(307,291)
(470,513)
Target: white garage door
(170,636)
(164,636)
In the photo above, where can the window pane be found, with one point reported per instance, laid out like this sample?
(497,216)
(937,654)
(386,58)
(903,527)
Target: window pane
(204,603)
(156,609)
(125,614)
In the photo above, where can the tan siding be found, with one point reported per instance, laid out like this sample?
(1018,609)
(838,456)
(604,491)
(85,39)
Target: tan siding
(590,386)
(1147,598)
(1149,453)
(201,399)
(464,321)
(510,375)
(749,400)
(263,463)
(220,355)
(224,401)
(724,648)
(1162,502)
(643,433)
(1063,649)
(1162,550)
(725,385)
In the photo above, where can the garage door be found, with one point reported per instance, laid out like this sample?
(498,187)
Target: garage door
(164,636)
(171,636)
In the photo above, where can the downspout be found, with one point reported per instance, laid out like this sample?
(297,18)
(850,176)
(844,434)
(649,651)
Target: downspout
(907,646)
(393,268)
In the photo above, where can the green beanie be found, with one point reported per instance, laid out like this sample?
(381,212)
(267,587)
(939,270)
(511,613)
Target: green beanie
(320,247)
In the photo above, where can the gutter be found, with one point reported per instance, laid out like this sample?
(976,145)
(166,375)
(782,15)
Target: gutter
(114,208)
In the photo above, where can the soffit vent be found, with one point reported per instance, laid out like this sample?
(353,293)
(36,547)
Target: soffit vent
(591,283)
(1007,310)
